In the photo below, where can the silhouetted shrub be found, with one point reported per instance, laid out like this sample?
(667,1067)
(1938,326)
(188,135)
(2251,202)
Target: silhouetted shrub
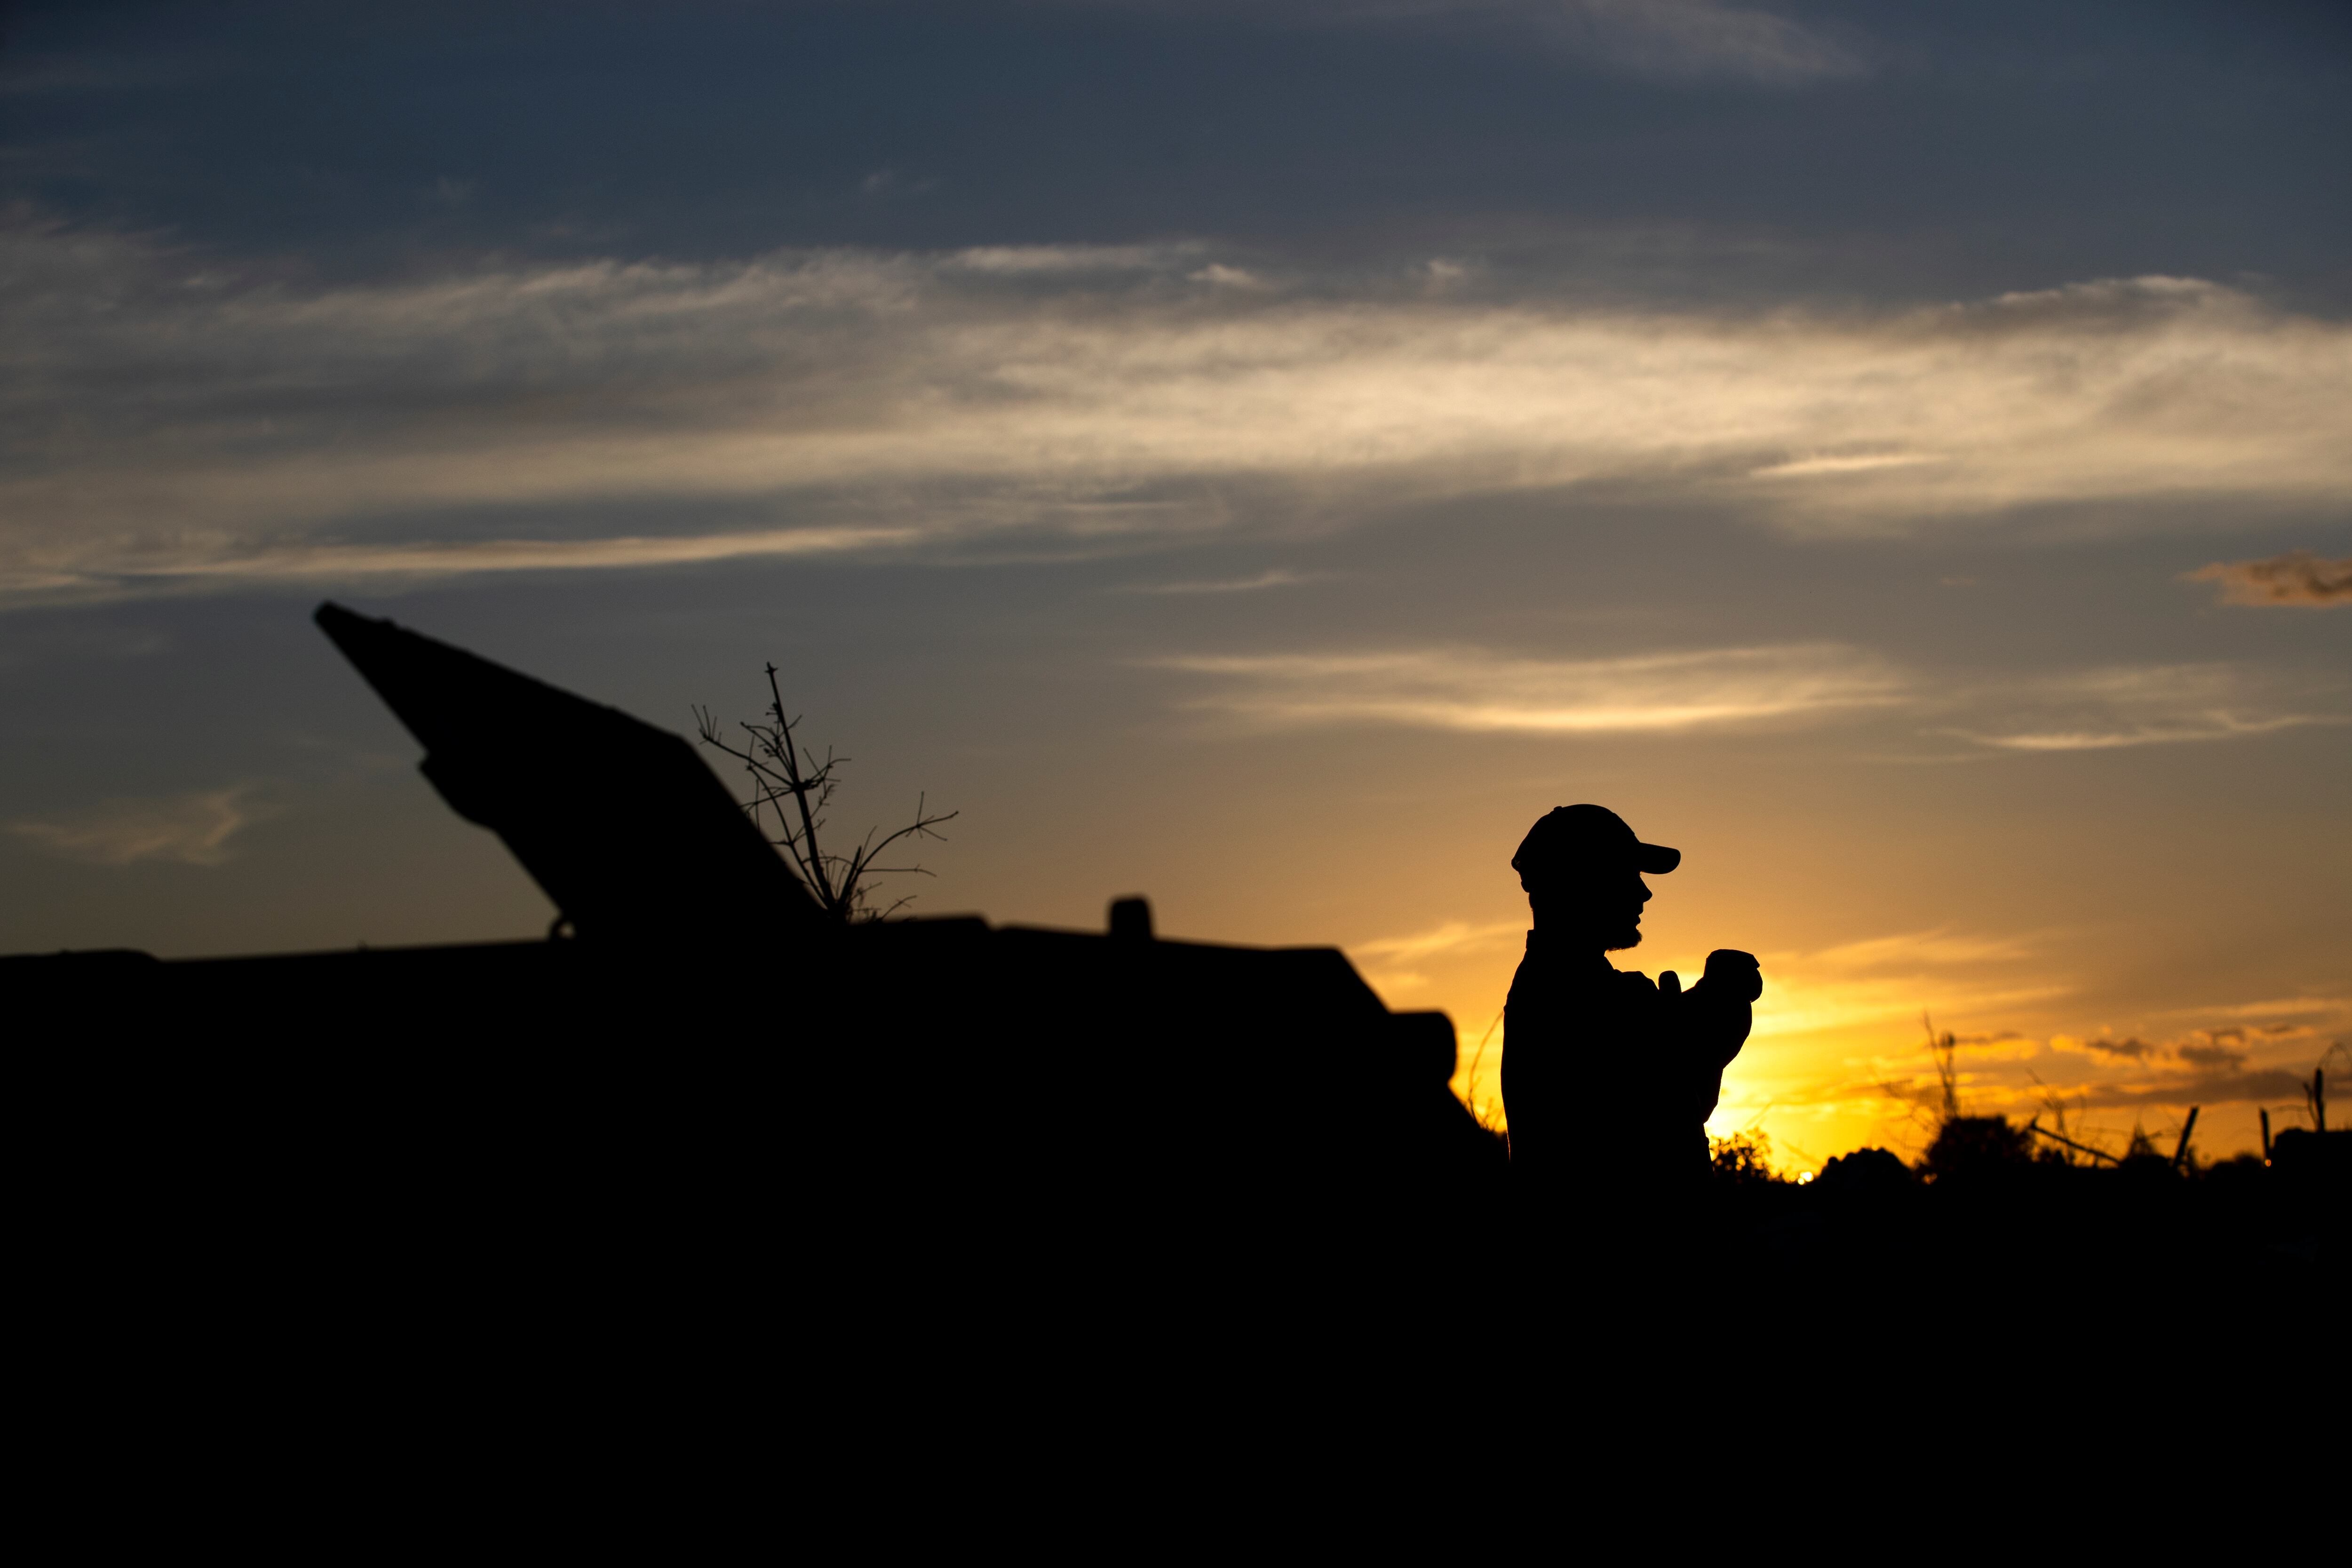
(1744,1158)
(2299,1151)
(1865,1172)
(1976,1145)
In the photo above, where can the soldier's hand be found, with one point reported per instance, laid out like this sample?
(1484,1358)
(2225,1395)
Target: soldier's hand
(1734,976)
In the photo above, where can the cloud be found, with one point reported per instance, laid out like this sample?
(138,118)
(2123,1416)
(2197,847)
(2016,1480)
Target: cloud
(1806,468)
(1913,948)
(2269,1007)
(2274,1085)
(2129,1048)
(1873,990)
(1482,690)
(1674,39)
(26,75)
(1479,691)
(2143,705)
(164,418)
(1385,960)
(1046,260)
(1217,275)
(2216,1058)
(1669,40)
(1802,998)
(2003,1071)
(192,830)
(883,184)
(2297,577)
(2212,1069)
(2002,1046)
(1451,936)
(1276,578)
(316,562)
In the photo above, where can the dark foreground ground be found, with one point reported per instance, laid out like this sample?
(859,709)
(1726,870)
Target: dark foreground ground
(2137,1245)
(487,1191)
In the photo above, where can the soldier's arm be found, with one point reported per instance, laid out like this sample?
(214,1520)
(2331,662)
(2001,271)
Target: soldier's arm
(1716,1011)
(1733,982)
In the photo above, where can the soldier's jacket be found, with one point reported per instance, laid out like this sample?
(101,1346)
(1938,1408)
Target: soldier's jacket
(1607,1078)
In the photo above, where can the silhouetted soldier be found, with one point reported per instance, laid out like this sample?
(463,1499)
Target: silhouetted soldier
(1607,1079)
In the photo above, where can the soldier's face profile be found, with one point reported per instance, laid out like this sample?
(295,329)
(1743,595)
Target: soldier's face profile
(1605,907)
(1621,911)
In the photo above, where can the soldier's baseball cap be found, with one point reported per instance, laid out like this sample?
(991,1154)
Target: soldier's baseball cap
(1570,840)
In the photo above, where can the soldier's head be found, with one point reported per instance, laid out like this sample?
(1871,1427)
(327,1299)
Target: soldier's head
(1582,869)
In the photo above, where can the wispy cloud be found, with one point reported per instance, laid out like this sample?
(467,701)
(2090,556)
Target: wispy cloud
(192,830)
(1478,690)
(2208,1067)
(1880,984)
(1699,39)
(1217,275)
(1276,578)
(2213,1057)
(2273,1084)
(2151,705)
(1474,690)
(162,419)
(2299,578)
(1808,468)
(1449,936)
(1915,949)
(2270,1007)
(1669,40)
(312,563)
(1387,962)
(1838,1035)
(2130,1048)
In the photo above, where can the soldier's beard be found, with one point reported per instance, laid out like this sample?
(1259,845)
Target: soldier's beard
(1586,923)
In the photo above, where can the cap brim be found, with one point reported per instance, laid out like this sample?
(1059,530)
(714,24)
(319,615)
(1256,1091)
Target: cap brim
(1656,859)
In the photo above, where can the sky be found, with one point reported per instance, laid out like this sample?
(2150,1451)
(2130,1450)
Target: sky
(1259,456)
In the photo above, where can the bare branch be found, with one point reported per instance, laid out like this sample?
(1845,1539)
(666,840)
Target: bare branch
(786,778)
